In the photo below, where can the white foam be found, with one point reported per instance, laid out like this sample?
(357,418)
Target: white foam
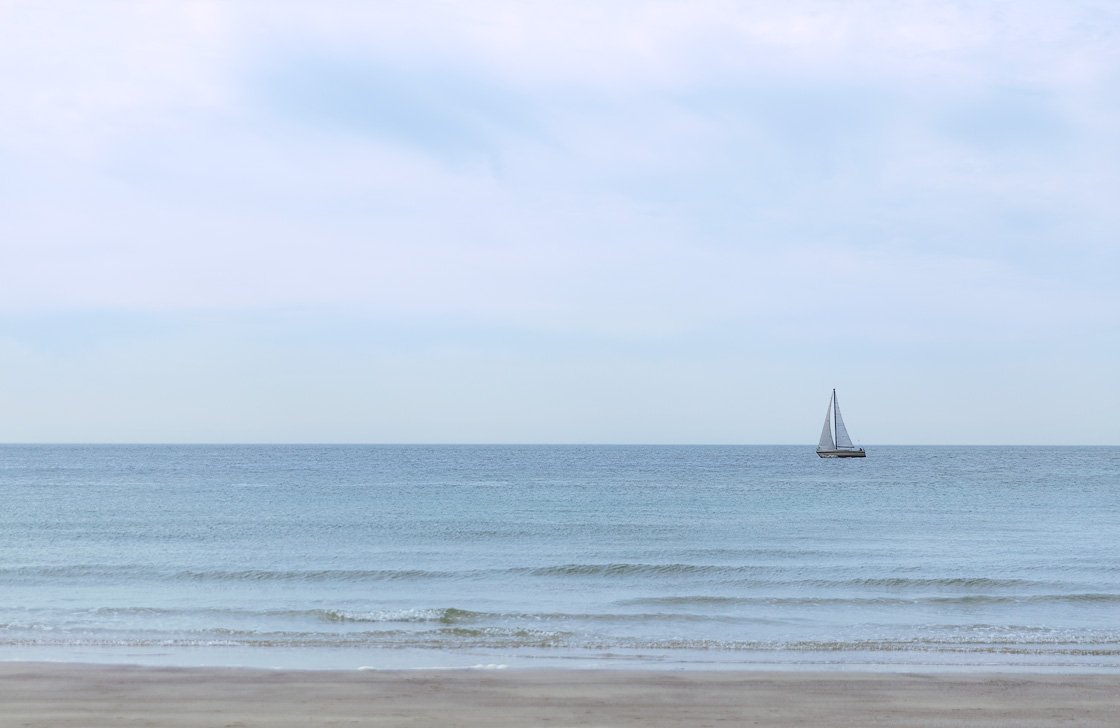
(489,666)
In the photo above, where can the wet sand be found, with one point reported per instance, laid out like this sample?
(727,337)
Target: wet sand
(64,695)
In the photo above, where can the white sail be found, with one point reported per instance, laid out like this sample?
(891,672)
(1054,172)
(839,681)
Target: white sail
(826,433)
(842,439)
(842,446)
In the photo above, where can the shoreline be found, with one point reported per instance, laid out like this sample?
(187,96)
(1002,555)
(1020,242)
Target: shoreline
(61,695)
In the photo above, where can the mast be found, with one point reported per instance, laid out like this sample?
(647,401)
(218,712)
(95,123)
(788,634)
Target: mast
(835,413)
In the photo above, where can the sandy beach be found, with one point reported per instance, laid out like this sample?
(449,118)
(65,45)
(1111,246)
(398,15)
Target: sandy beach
(61,695)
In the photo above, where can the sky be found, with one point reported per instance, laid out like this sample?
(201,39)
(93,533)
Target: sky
(559,222)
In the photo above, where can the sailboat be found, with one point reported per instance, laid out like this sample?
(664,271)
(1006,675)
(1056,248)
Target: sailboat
(842,447)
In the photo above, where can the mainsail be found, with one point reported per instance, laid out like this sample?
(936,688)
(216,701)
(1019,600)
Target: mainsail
(826,434)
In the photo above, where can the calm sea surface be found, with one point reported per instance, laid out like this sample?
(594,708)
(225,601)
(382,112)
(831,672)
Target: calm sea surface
(670,557)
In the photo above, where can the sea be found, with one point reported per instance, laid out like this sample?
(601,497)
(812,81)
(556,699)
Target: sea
(637,557)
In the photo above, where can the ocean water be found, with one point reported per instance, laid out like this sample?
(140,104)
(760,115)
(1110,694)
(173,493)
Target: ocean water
(941,558)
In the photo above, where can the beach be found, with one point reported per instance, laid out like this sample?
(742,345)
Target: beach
(62,695)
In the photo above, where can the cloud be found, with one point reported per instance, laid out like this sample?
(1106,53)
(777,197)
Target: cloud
(80,77)
(1009,117)
(422,169)
(444,112)
(555,187)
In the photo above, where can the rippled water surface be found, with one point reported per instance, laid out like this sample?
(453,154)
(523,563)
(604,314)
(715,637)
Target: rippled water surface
(692,557)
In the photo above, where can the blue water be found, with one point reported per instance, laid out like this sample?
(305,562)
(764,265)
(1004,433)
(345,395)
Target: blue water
(670,557)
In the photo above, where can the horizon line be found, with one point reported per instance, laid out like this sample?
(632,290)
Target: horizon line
(277,443)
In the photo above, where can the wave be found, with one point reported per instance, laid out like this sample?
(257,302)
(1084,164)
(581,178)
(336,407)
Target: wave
(143,571)
(452,615)
(456,638)
(312,575)
(630,569)
(749,575)
(704,612)
(449,615)
(963,599)
(761,584)
(135,571)
(954,582)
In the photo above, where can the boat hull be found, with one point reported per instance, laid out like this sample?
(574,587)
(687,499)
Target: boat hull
(842,453)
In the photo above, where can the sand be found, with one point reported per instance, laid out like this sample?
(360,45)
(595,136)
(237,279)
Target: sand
(61,695)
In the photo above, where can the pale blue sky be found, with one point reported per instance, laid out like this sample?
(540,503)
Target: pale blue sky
(559,222)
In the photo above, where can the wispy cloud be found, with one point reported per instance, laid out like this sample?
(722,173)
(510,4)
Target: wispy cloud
(752,186)
(440,111)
